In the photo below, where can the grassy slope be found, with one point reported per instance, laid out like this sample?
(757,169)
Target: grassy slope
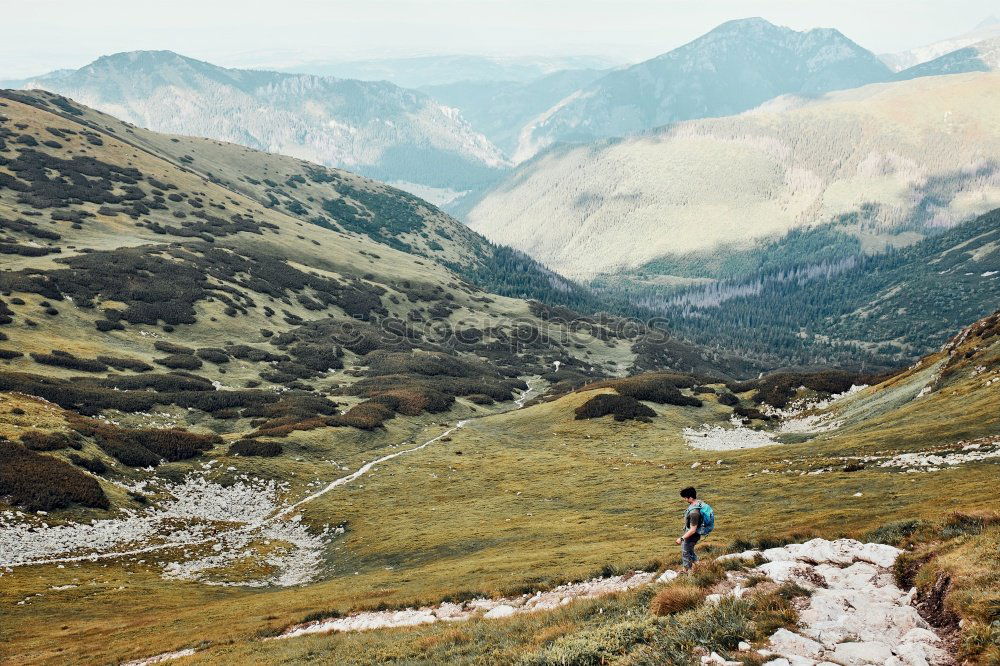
(897,154)
(535,498)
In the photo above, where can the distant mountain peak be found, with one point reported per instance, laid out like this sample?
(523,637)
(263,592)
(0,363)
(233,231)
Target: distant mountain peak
(988,22)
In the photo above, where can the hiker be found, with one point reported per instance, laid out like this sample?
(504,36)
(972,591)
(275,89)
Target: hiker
(699,520)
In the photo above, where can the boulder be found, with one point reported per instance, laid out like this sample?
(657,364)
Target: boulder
(667,576)
(787,644)
(861,654)
(782,571)
(503,610)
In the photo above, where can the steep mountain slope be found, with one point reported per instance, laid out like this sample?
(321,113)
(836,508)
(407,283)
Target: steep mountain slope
(443,70)
(987,29)
(882,162)
(735,67)
(377,129)
(500,109)
(833,306)
(979,57)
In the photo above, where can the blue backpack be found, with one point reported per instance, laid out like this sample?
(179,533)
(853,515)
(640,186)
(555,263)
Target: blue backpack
(707,518)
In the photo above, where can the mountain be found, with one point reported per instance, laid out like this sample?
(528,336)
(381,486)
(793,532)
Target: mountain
(735,67)
(987,29)
(980,57)
(500,109)
(816,299)
(886,163)
(374,128)
(442,70)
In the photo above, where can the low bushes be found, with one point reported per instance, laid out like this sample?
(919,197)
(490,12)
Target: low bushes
(620,406)
(728,399)
(66,360)
(253,447)
(145,447)
(415,400)
(365,416)
(659,387)
(751,413)
(171,348)
(777,389)
(90,396)
(36,440)
(93,465)
(179,362)
(120,363)
(212,355)
(42,483)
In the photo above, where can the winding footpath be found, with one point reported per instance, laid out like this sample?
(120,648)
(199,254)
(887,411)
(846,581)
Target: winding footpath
(279,515)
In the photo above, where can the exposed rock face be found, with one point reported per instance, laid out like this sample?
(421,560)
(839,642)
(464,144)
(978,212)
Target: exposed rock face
(856,615)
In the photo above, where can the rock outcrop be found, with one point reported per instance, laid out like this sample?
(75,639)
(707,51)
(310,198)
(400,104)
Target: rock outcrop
(855,614)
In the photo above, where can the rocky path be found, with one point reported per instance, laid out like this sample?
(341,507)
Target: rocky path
(855,614)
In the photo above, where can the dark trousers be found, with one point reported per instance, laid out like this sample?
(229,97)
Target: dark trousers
(688,556)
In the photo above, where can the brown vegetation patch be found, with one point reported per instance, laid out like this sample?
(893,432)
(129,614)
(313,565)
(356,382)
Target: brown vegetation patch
(42,483)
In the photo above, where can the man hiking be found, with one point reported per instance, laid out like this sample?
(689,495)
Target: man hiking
(699,520)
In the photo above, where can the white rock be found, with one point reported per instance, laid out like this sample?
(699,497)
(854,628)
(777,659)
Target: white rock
(503,610)
(743,646)
(912,654)
(778,662)
(667,576)
(878,554)
(782,571)
(861,654)
(920,635)
(787,643)
(745,555)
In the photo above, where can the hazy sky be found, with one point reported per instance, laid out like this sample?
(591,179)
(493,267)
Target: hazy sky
(42,35)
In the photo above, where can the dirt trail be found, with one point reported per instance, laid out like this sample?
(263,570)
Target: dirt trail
(279,515)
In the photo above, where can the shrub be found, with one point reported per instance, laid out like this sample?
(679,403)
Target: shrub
(620,406)
(180,362)
(728,399)
(93,465)
(67,360)
(413,401)
(212,355)
(961,523)
(707,573)
(365,416)
(104,326)
(676,599)
(122,363)
(894,533)
(7,354)
(253,447)
(480,399)
(171,348)
(42,483)
(36,440)
(317,356)
(751,413)
(145,447)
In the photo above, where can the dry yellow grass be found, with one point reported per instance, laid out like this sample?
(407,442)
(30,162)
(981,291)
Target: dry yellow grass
(675,599)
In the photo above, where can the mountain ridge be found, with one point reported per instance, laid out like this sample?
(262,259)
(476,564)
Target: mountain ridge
(734,67)
(377,128)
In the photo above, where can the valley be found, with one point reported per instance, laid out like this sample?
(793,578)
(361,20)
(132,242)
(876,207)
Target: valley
(412,366)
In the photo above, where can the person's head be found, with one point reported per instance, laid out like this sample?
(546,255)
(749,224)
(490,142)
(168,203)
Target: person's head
(689,494)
